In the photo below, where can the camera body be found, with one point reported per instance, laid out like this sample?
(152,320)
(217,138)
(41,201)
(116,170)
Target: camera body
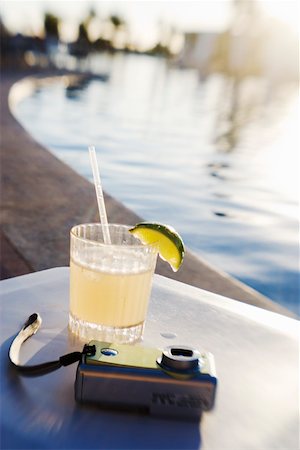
(178,381)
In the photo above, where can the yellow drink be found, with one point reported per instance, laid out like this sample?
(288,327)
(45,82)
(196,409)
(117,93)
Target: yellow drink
(110,299)
(110,284)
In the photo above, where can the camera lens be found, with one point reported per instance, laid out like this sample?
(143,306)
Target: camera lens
(179,358)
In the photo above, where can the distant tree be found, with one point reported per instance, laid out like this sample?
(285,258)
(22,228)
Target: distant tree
(51,24)
(91,15)
(83,29)
(5,38)
(117,23)
(102,44)
(160,50)
(83,32)
(82,46)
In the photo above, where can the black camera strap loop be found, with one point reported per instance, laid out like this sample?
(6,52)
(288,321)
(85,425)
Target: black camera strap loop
(30,327)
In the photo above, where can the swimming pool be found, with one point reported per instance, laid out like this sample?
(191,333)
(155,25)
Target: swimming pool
(183,151)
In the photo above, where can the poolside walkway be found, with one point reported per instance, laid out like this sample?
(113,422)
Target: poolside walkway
(41,198)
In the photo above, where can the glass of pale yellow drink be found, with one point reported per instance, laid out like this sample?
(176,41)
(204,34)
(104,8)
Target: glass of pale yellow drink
(110,284)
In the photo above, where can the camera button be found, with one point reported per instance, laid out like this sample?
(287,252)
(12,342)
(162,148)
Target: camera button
(109,352)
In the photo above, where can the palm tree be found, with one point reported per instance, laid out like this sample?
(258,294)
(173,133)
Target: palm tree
(83,32)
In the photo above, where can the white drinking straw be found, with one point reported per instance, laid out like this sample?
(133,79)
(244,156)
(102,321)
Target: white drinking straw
(99,195)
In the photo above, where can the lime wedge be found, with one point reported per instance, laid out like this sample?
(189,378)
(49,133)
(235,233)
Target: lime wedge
(170,245)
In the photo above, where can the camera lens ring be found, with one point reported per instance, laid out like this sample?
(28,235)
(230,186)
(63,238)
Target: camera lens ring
(179,358)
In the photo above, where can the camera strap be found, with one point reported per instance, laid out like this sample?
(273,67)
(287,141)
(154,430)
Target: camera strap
(29,328)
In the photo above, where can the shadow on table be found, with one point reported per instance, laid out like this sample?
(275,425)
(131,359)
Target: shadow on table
(133,431)
(41,412)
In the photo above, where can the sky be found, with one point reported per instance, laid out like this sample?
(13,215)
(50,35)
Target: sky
(145,18)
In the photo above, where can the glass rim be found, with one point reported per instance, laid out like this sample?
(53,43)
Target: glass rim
(153,245)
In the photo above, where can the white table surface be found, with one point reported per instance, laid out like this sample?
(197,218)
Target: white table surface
(256,355)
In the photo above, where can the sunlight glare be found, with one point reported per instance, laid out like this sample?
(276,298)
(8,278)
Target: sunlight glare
(286,11)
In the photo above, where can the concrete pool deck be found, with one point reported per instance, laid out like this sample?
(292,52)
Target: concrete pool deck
(42,198)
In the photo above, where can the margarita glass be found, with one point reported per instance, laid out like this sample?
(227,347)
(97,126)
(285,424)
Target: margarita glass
(110,284)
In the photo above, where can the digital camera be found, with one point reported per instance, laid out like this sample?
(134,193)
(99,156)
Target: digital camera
(178,381)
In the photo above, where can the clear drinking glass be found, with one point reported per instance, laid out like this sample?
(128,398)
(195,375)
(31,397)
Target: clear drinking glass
(110,284)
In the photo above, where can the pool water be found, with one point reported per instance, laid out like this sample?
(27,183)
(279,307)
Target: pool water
(217,163)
